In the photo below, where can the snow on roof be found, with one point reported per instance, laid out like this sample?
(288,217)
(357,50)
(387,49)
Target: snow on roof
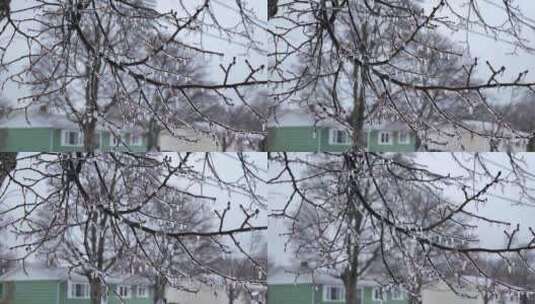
(300,118)
(479,281)
(485,126)
(34,118)
(41,272)
(284,276)
(387,126)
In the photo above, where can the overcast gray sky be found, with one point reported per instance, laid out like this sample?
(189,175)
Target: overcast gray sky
(225,12)
(496,207)
(498,53)
(226,165)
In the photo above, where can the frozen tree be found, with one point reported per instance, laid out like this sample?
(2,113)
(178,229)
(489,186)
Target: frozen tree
(246,271)
(363,61)
(384,189)
(518,114)
(248,116)
(425,209)
(91,58)
(161,258)
(88,211)
(333,234)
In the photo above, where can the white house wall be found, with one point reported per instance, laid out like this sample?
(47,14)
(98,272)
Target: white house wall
(466,142)
(199,142)
(444,296)
(441,294)
(204,295)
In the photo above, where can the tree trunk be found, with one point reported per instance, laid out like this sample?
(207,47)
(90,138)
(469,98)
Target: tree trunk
(359,96)
(89,122)
(159,290)
(415,296)
(90,136)
(350,284)
(531,144)
(231,294)
(226,141)
(351,272)
(272,8)
(359,106)
(4,8)
(97,290)
(494,143)
(153,132)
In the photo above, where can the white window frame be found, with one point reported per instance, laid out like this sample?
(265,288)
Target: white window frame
(142,287)
(72,289)
(136,139)
(399,296)
(390,138)
(64,138)
(333,136)
(407,138)
(374,294)
(128,291)
(326,294)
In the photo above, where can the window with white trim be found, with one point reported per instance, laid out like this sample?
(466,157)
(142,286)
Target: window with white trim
(333,293)
(385,138)
(397,294)
(72,138)
(404,137)
(137,139)
(339,137)
(127,139)
(79,290)
(378,294)
(142,291)
(123,291)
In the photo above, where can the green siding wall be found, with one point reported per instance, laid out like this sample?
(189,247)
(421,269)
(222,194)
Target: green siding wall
(35,292)
(292,294)
(326,147)
(307,294)
(296,139)
(367,296)
(55,292)
(304,139)
(112,297)
(29,140)
(49,140)
(373,143)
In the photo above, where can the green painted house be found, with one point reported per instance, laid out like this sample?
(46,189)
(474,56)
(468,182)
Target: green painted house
(301,131)
(39,131)
(287,288)
(39,284)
